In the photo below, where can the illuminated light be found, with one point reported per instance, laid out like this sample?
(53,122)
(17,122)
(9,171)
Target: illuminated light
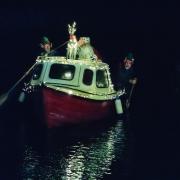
(104,104)
(70,92)
(68,75)
(110,93)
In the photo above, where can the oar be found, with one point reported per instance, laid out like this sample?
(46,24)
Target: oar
(129,98)
(4,97)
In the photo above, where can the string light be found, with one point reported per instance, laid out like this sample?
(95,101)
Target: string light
(109,94)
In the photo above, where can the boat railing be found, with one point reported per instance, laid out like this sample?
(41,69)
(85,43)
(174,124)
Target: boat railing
(40,58)
(64,59)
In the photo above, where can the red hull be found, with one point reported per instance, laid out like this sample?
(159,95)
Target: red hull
(61,109)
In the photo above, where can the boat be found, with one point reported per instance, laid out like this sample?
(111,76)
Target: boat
(72,91)
(69,91)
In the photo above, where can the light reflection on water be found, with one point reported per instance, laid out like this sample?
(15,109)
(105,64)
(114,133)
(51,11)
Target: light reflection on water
(87,158)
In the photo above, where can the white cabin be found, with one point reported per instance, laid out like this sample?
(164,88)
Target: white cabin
(84,78)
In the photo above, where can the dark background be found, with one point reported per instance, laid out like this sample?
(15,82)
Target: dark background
(150,31)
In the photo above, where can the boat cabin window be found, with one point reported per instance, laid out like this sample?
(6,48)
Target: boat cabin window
(62,72)
(37,72)
(88,77)
(101,79)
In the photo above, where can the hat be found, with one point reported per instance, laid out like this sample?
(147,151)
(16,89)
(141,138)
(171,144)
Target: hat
(130,57)
(45,40)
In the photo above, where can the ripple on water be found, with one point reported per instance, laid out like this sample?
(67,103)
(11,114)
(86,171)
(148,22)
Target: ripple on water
(90,158)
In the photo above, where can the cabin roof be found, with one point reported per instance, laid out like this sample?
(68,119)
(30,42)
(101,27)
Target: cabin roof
(62,59)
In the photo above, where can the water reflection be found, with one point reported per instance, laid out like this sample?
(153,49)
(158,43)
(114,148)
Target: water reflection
(86,158)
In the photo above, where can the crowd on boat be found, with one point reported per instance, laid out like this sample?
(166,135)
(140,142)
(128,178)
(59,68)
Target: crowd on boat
(76,49)
(81,49)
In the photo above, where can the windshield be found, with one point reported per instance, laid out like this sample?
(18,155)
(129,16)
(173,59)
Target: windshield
(62,72)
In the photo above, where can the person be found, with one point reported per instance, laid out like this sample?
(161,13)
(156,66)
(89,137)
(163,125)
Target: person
(127,79)
(85,50)
(46,47)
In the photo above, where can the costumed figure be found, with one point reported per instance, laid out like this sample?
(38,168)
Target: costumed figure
(85,50)
(72,44)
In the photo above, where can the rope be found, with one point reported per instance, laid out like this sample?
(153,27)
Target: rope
(61,45)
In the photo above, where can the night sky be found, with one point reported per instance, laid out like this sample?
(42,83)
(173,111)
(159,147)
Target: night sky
(150,32)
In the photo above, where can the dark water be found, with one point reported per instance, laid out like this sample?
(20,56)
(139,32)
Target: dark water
(99,151)
(75,154)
